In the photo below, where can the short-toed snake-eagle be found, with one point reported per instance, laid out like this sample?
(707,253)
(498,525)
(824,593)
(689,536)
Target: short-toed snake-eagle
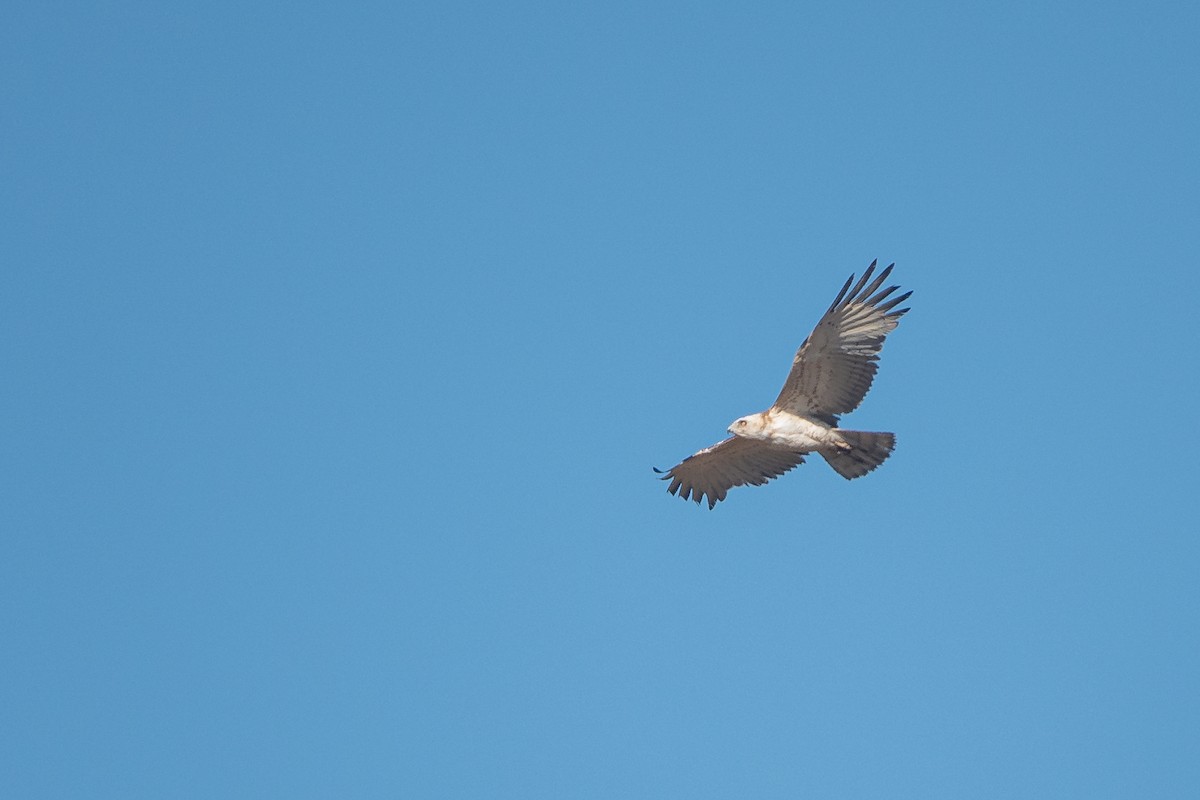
(831,374)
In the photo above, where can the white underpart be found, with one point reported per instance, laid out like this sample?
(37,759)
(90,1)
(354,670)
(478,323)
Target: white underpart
(784,428)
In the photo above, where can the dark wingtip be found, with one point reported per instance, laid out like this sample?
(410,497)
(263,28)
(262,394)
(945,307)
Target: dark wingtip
(895,301)
(659,471)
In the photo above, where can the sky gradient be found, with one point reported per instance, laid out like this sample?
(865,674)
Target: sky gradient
(340,342)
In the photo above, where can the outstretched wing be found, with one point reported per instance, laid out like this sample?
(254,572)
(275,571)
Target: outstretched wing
(833,369)
(737,461)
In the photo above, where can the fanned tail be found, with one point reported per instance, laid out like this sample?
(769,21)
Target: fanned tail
(867,451)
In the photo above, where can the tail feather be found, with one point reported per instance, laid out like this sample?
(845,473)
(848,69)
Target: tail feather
(867,451)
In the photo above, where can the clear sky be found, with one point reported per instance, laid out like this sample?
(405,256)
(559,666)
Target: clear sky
(338,342)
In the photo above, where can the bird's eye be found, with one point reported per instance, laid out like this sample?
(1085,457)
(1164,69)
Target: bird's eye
(741,423)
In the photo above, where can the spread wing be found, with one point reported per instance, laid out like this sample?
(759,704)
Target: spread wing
(833,369)
(737,461)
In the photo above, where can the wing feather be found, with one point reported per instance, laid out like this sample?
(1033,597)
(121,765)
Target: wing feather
(835,366)
(737,461)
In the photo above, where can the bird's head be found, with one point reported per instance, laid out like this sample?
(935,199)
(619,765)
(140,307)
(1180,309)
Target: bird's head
(752,427)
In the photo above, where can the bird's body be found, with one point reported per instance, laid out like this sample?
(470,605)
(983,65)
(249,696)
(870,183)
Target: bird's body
(830,375)
(782,428)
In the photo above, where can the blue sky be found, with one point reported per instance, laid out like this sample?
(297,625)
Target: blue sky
(340,341)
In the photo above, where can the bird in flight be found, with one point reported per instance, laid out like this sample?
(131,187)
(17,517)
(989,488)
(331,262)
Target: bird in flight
(831,373)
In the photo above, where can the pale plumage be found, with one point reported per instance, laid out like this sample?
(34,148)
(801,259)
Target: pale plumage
(831,373)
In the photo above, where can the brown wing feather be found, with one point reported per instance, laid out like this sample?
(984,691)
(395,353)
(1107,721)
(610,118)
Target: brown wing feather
(734,462)
(834,368)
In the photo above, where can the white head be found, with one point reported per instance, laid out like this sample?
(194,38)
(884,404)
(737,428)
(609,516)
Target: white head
(751,427)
